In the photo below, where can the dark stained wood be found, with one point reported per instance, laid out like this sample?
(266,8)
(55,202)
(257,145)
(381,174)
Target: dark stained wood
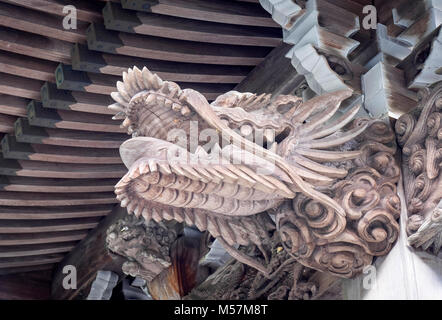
(89,256)
(103,40)
(26,133)
(9,198)
(274,75)
(69,79)
(30,261)
(46,237)
(35,250)
(31,283)
(12,149)
(51,213)
(223,11)
(86,60)
(39,169)
(66,119)
(25,184)
(19,86)
(7,123)
(55,98)
(41,23)
(27,67)
(118,19)
(14,106)
(34,45)
(35,226)
(86,10)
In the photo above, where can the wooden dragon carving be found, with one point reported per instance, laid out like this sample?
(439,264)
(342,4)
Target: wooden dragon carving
(247,165)
(420,135)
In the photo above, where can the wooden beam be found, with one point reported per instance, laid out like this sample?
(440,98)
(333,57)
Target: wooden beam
(143,46)
(35,250)
(26,133)
(274,75)
(30,261)
(52,213)
(40,169)
(42,23)
(89,256)
(222,11)
(27,67)
(34,45)
(66,119)
(86,10)
(19,86)
(35,226)
(69,79)
(7,123)
(87,60)
(10,198)
(26,184)
(55,98)
(14,106)
(12,149)
(47,237)
(118,19)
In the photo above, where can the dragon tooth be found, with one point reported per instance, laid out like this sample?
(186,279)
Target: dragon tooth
(138,210)
(143,167)
(185,111)
(167,215)
(131,206)
(165,168)
(124,202)
(156,215)
(153,166)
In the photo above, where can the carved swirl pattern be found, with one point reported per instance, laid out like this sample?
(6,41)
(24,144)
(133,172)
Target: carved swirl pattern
(420,136)
(321,239)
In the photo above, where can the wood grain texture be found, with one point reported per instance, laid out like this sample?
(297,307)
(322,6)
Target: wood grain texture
(118,19)
(86,10)
(42,23)
(233,12)
(34,45)
(52,213)
(40,169)
(26,133)
(12,149)
(143,46)
(86,60)
(27,67)
(73,120)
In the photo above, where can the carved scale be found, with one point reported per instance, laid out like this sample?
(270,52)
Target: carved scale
(325,182)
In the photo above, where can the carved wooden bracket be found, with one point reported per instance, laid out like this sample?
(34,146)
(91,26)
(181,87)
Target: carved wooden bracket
(324,181)
(420,135)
